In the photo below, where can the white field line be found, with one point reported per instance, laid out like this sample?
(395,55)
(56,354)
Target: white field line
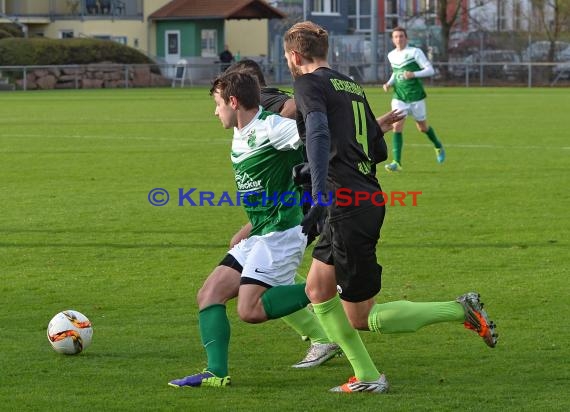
(489,146)
(216,139)
(221,139)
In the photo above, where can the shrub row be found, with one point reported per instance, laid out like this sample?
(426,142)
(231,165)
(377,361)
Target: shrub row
(45,52)
(10,30)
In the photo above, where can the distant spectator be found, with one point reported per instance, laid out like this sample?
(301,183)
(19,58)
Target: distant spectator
(226,58)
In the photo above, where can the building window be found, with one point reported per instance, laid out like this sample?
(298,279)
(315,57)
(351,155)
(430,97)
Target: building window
(359,15)
(172,41)
(66,34)
(517,17)
(120,39)
(391,14)
(209,43)
(502,18)
(326,7)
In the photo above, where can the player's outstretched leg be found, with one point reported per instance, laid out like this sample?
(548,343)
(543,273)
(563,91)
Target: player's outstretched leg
(404,316)
(477,319)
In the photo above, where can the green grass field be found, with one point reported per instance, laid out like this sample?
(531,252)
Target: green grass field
(77,232)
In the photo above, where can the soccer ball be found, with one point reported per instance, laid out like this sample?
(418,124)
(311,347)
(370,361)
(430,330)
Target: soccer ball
(69,332)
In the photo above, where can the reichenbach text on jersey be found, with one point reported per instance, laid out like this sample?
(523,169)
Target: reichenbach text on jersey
(345,85)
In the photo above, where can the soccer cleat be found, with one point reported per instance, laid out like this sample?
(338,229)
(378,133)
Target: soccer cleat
(205,378)
(477,319)
(318,354)
(440,154)
(393,167)
(354,385)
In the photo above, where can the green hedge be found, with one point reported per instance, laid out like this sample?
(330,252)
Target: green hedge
(10,30)
(45,52)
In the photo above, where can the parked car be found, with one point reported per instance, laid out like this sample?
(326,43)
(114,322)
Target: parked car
(493,62)
(516,70)
(455,38)
(564,55)
(538,51)
(473,42)
(561,71)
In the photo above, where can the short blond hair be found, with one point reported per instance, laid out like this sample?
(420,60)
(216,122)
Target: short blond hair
(308,39)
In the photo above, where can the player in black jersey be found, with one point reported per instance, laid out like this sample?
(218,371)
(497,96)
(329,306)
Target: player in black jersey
(344,143)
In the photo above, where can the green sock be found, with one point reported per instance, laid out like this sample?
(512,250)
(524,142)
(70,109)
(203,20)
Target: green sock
(280,301)
(335,323)
(305,323)
(397,144)
(215,335)
(404,316)
(432,136)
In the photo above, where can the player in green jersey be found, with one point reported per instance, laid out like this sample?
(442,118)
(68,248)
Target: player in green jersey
(265,148)
(409,65)
(303,321)
(273,100)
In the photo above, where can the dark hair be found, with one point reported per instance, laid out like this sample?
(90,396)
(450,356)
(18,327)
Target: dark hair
(243,86)
(400,28)
(251,67)
(308,39)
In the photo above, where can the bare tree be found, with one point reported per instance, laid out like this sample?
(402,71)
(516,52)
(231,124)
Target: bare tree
(447,13)
(553,16)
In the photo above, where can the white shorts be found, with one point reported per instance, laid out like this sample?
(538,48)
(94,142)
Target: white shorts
(416,109)
(272,258)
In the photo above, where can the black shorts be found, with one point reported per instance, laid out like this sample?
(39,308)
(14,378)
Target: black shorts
(349,244)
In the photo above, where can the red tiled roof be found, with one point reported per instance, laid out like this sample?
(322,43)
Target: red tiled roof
(216,9)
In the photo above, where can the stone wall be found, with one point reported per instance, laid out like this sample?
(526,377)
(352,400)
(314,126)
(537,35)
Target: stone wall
(93,76)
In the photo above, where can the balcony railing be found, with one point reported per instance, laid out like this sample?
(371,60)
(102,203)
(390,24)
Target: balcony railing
(75,9)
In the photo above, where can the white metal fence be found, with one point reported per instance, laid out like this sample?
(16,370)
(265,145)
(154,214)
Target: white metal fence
(108,75)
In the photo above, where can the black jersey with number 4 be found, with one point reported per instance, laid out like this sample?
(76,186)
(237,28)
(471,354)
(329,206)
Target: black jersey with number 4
(357,142)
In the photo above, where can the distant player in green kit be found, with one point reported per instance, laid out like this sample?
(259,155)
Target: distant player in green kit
(409,64)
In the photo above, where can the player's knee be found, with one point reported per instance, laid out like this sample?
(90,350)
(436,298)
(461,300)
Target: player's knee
(318,294)
(251,314)
(202,296)
(211,294)
(359,323)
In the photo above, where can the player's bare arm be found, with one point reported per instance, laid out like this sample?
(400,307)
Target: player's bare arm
(243,233)
(289,109)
